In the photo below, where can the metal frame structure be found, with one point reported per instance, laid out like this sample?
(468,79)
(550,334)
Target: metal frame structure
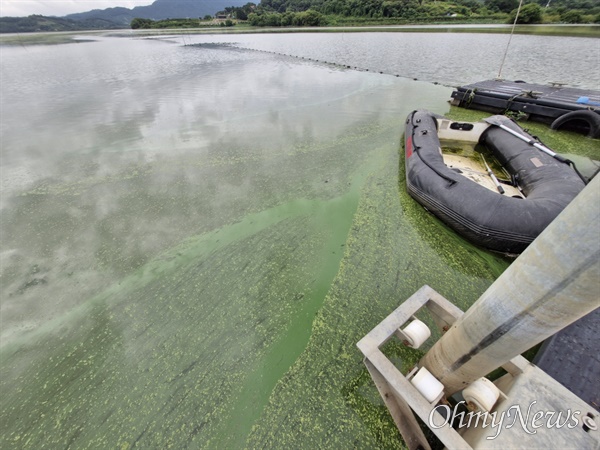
(404,401)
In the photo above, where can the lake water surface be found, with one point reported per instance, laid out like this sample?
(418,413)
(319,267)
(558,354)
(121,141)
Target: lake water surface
(194,237)
(452,59)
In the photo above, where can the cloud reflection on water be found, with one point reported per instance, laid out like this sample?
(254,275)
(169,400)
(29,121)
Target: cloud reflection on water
(132,148)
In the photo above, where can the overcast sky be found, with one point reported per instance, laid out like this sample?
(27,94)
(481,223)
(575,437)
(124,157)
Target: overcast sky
(61,7)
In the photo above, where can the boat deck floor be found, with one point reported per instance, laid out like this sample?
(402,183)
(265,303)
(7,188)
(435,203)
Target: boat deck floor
(571,357)
(469,168)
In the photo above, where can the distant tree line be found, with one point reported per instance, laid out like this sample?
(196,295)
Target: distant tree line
(139,23)
(308,18)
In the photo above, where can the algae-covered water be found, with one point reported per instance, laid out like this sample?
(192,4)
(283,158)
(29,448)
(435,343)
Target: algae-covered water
(195,238)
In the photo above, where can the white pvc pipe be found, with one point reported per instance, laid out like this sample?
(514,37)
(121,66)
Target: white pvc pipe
(553,283)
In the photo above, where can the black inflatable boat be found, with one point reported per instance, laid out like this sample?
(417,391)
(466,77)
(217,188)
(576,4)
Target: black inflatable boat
(498,217)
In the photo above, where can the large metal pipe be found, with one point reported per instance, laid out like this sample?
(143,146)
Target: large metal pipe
(553,283)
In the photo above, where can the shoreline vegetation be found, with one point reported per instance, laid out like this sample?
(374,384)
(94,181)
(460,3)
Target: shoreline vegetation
(500,28)
(563,17)
(54,38)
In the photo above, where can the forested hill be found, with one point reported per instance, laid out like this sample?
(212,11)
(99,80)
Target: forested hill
(42,23)
(570,11)
(363,8)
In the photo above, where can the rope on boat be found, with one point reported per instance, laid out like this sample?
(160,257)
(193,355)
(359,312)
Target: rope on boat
(510,38)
